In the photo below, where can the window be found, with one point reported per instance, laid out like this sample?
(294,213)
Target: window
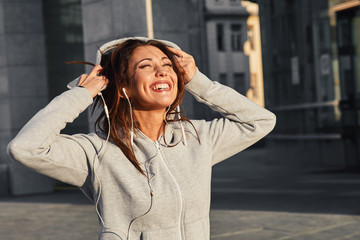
(234,2)
(239,83)
(236,44)
(223,78)
(220,37)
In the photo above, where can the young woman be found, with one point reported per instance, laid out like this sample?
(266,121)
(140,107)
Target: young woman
(151,178)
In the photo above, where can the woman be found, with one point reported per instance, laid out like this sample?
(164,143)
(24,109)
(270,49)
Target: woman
(151,180)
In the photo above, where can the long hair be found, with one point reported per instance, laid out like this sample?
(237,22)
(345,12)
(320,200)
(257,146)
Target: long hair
(115,64)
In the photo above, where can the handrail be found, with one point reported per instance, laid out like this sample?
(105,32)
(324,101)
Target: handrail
(344,6)
(334,103)
(305,137)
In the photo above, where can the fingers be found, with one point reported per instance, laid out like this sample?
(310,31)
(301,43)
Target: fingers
(94,82)
(82,79)
(186,62)
(181,55)
(178,52)
(95,71)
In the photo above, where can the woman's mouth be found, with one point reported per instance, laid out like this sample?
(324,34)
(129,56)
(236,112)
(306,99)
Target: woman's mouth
(160,86)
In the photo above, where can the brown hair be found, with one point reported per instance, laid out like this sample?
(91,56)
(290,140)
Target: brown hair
(115,64)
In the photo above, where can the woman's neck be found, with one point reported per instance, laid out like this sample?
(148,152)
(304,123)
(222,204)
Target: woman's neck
(151,122)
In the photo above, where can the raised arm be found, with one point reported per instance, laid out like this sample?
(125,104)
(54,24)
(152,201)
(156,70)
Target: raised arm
(40,146)
(244,121)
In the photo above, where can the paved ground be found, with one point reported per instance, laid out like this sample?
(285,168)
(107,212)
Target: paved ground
(252,200)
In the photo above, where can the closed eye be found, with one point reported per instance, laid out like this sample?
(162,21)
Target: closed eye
(144,65)
(167,62)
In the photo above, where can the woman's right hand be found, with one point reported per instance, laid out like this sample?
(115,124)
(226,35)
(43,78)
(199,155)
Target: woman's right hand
(93,82)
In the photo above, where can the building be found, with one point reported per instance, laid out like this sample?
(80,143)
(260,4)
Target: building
(226,33)
(311,78)
(234,46)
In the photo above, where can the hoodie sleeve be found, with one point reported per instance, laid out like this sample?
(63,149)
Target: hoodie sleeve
(244,121)
(40,146)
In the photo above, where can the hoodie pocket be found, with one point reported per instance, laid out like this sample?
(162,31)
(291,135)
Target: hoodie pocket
(198,230)
(110,235)
(145,236)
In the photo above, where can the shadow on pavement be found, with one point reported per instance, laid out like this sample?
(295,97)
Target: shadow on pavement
(248,181)
(63,196)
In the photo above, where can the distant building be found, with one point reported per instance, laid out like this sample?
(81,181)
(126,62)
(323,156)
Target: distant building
(226,33)
(312,81)
(234,46)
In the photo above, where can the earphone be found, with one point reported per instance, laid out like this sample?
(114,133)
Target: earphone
(98,155)
(131,117)
(103,88)
(132,144)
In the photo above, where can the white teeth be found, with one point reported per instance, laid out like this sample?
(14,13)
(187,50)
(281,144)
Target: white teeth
(161,86)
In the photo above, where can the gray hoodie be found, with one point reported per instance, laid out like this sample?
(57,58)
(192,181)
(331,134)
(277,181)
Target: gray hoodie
(173,201)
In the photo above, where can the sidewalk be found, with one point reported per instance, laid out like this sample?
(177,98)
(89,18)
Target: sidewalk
(254,199)
(251,200)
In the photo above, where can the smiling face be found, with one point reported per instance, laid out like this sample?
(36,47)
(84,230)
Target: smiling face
(154,81)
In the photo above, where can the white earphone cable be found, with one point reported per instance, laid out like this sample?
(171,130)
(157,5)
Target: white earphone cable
(98,156)
(131,117)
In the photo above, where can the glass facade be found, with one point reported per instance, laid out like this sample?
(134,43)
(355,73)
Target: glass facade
(311,73)
(64,42)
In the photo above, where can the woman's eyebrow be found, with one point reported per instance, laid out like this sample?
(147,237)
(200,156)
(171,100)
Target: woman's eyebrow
(150,59)
(144,59)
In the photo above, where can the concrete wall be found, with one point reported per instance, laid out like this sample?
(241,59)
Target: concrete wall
(23,87)
(106,20)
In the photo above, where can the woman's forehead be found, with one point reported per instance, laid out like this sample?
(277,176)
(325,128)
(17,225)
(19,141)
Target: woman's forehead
(148,52)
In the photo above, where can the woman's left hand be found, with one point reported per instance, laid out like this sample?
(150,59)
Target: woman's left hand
(186,62)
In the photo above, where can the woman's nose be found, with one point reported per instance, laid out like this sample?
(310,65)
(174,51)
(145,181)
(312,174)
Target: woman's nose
(161,71)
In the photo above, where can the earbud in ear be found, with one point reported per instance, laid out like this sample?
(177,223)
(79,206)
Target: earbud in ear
(124,91)
(103,88)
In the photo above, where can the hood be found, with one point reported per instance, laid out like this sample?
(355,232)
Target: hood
(109,45)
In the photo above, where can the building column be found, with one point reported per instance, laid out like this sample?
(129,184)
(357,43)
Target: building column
(23,87)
